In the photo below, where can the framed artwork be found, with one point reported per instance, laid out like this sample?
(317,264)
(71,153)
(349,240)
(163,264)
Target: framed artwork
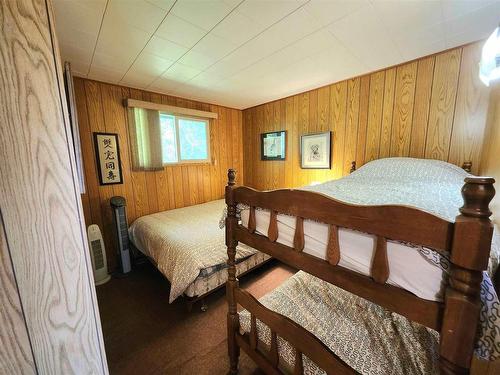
(315,151)
(273,145)
(107,153)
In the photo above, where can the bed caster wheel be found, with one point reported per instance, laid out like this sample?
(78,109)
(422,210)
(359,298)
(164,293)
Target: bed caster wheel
(204,307)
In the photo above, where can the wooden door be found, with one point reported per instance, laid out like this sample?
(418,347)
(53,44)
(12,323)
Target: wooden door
(49,321)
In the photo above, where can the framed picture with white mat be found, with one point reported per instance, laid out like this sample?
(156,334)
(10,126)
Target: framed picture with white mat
(316,151)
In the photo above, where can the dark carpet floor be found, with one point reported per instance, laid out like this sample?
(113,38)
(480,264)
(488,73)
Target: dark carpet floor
(143,334)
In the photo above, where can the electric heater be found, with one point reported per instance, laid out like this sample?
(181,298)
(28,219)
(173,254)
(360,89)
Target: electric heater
(98,255)
(118,205)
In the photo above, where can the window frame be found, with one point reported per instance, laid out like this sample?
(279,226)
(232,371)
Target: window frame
(181,161)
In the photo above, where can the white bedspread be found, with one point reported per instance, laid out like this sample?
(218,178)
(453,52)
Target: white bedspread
(430,185)
(183,242)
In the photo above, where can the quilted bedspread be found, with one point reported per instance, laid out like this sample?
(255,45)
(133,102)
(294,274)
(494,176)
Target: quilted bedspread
(183,242)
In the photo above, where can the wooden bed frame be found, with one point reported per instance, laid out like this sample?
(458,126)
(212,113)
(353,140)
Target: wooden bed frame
(468,240)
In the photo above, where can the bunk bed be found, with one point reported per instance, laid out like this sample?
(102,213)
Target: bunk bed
(447,317)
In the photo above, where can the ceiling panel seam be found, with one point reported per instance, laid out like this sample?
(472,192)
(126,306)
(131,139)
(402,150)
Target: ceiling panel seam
(149,39)
(208,32)
(98,35)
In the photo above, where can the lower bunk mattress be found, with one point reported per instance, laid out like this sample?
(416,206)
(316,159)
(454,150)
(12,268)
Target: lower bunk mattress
(369,338)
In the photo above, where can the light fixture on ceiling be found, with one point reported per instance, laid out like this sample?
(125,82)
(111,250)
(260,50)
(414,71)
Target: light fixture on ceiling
(489,66)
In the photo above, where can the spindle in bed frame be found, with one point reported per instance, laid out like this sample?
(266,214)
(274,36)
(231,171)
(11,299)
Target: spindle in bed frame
(468,240)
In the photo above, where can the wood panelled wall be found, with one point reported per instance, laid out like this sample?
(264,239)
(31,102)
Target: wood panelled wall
(100,109)
(434,107)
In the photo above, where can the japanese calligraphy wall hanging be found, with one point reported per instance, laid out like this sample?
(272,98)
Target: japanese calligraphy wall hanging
(108,158)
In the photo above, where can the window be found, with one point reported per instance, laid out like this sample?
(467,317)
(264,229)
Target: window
(184,139)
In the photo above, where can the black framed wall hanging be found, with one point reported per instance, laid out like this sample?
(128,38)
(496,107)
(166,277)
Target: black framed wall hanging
(316,151)
(107,152)
(273,145)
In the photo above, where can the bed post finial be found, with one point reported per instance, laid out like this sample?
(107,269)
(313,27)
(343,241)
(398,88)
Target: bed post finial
(233,321)
(469,258)
(353,166)
(467,166)
(231,177)
(477,194)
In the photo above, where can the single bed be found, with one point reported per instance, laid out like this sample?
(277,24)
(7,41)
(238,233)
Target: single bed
(408,296)
(187,247)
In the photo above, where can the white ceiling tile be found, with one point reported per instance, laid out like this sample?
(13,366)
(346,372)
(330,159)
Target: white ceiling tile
(204,80)
(237,28)
(137,13)
(407,16)
(339,62)
(165,48)
(328,11)
(105,75)
(202,13)
(297,25)
(367,38)
(310,45)
(457,8)
(109,62)
(74,15)
(214,46)
(232,3)
(78,39)
(179,31)
(473,26)
(75,54)
(197,60)
(123,43)
(151,64)
(268,12)
(164,4)
(165,85)
(232,63)
(181,73)
(137,79)
(421,42)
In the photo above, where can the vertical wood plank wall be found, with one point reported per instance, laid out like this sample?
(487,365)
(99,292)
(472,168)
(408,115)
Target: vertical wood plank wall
(50,284)
(434,107)
(100,109)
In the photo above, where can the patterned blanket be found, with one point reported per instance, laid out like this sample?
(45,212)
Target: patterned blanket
(183,242)
(369,338)
(433,186)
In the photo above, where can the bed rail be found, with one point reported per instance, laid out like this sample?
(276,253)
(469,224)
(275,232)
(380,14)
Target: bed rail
(468,240)
(303,340)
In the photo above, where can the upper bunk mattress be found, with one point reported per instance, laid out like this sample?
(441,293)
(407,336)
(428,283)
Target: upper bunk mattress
(184,241)
(430,185)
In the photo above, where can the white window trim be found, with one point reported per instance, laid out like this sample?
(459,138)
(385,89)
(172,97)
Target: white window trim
(208,159)
(172,110)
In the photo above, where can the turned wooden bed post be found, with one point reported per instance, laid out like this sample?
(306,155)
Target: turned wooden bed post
(232,283)
(469,257)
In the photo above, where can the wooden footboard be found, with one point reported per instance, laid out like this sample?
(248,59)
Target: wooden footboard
(468,240)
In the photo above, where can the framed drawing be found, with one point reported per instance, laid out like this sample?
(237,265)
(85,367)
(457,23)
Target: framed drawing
(315,151)
(107,153)
(273,145)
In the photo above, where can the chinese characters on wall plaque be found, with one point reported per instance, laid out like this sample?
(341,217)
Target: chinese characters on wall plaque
(108,158)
